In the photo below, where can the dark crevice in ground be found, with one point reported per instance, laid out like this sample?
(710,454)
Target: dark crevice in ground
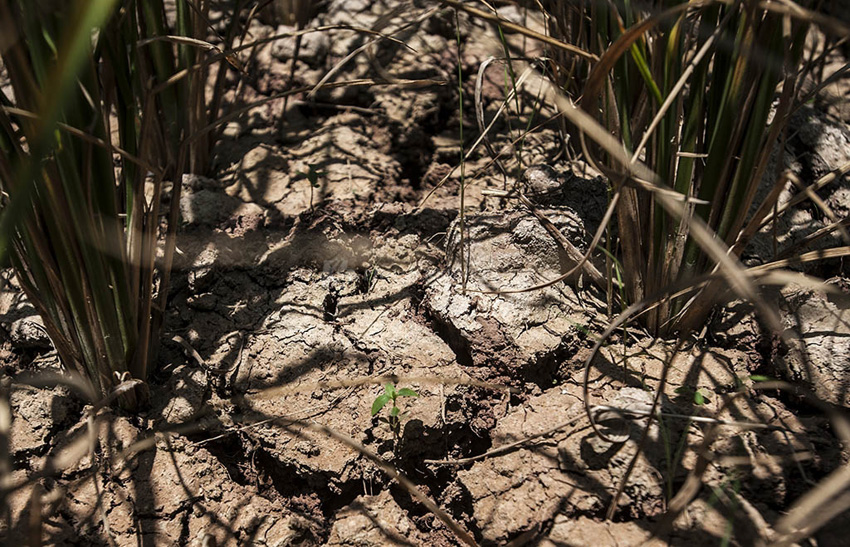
(544,371)
(453,440)
(414,157)
(314,498)
(317,498)
(547,371)
(458,502)
(441,485)
(83,540)
(413,144)
(230,450)
(426,521)
(185,533)
(449,334)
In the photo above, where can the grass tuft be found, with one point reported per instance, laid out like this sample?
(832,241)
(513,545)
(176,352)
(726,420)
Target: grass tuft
(96,138)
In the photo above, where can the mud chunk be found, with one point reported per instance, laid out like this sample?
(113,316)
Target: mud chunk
(313,49)
(820,357)
(25,326)
(374,521)
(507,250)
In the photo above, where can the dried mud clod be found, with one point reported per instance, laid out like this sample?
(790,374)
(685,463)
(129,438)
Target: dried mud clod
(819,356)
(816,323)
(533,491)
(508,337)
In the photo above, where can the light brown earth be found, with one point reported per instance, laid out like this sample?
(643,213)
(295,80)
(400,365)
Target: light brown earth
(318,290)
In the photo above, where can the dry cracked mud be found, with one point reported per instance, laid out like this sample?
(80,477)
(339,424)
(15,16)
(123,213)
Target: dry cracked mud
(289,299)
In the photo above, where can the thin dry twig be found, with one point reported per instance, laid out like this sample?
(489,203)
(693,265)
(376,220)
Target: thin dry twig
(569,48)
(600,231)
(576,256)
(804,507)
(481,138)
(510,446)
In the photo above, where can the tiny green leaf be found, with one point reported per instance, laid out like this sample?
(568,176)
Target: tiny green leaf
(379,403)
(312,175)
(395,411)
(699,398)
(389,389)
(49,40)
(407,392)
(759,378)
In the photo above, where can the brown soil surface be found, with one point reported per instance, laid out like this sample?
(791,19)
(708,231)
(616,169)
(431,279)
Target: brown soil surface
(288,298)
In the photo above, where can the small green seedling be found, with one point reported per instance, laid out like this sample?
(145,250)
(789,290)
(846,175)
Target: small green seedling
(700,395)
(312,175)
(760,378)
(392,394)
(741,384)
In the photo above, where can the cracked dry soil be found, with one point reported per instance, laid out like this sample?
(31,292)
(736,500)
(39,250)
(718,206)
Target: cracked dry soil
(286,297)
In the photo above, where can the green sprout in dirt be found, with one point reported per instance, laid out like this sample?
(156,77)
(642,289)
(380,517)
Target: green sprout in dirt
(312,175)
(391,393)
(698,395)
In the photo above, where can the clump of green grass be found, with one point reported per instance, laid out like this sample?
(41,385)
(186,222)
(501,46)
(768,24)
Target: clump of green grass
(690,91)
(690,101)
(108,104)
